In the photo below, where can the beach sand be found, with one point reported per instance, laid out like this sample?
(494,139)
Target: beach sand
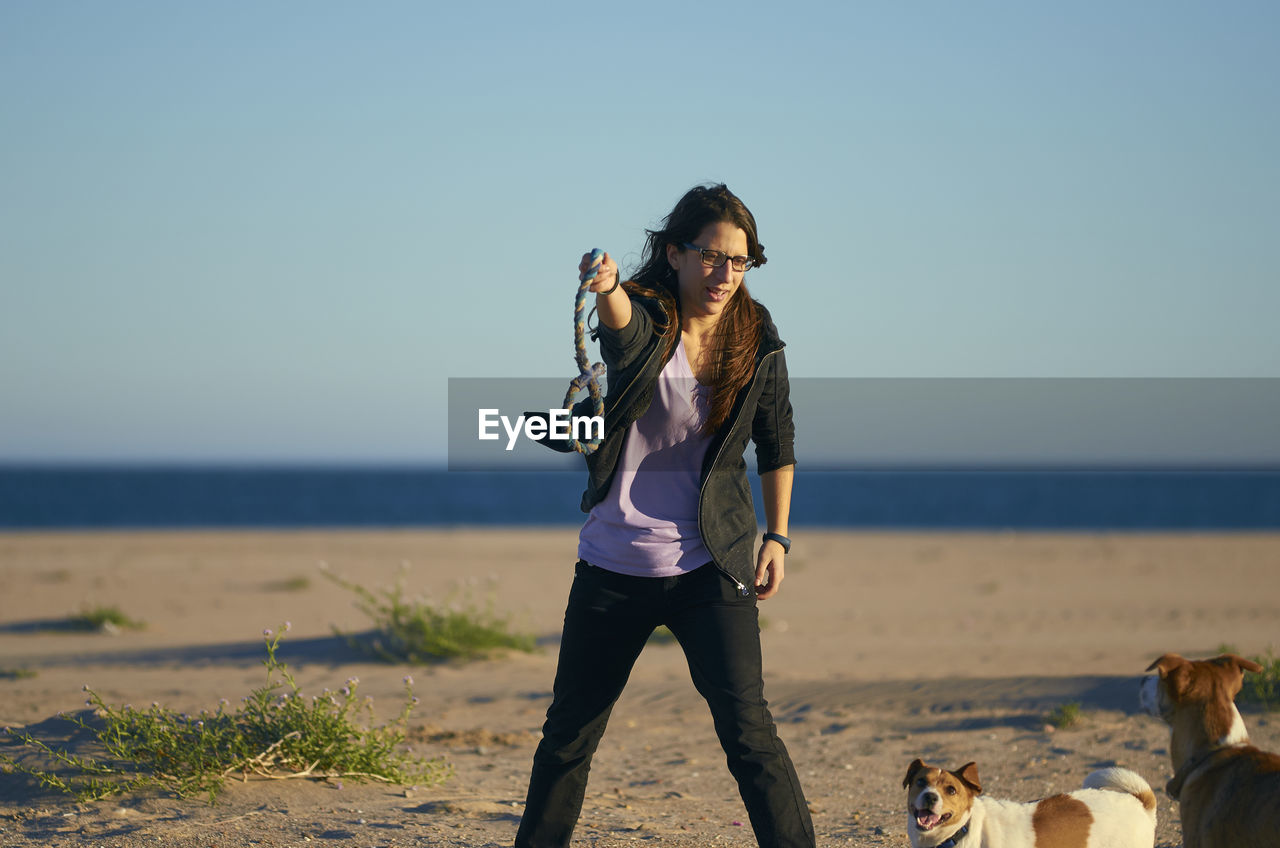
(881,647)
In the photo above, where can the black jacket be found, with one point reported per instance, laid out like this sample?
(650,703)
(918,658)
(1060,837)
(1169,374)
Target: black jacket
(761,412)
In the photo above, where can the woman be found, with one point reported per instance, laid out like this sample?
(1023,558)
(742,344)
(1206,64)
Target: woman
(695,368)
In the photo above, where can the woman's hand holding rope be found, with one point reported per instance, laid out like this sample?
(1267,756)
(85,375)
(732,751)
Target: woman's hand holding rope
(606,275)
(612,303)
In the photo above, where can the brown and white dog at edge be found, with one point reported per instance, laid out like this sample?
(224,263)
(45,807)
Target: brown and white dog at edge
(1228,791)
(945,809)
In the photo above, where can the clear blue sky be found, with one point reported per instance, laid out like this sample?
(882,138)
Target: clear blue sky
(271,231)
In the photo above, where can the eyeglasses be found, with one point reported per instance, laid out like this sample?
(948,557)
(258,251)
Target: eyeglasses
(716,258)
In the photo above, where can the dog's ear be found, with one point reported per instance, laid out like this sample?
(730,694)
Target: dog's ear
(915,766)
(1239,662)
(1176,672)
(1166,664)
(968,775)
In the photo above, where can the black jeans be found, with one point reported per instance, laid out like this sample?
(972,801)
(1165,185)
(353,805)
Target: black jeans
(609,618)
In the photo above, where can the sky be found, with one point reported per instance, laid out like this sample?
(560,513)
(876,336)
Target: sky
(273,232)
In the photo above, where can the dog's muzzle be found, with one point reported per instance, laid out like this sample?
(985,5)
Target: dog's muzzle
(1149,695)
(926,816)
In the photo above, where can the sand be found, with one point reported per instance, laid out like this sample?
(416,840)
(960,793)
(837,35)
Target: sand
(881,647)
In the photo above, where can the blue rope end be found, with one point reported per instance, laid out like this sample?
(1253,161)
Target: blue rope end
(590,273)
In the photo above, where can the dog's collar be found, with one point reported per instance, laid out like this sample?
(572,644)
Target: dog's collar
(1193,767)
(955,838)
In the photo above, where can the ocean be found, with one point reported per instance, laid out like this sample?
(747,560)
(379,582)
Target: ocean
(66,498)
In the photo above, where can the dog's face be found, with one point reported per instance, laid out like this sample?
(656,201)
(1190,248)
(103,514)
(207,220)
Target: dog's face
(1196,699)
(939,801)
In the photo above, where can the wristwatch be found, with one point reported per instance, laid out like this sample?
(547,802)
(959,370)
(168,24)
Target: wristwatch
(780,539)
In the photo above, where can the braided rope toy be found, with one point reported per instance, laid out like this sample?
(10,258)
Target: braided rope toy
(588,375)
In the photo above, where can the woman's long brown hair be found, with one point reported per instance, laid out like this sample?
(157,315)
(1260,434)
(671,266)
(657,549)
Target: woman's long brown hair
(732,345)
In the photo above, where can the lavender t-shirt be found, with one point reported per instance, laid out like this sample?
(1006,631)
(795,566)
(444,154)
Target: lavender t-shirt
(647,526)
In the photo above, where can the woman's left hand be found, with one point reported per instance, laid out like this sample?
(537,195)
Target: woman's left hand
(769,570)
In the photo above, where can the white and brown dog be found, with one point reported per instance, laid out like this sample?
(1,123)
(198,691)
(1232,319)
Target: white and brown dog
(944,810)
(1228,791)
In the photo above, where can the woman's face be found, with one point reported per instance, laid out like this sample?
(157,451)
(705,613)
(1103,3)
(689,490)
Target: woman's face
(704,291)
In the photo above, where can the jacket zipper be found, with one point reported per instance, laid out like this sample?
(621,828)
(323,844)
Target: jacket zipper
(742,590)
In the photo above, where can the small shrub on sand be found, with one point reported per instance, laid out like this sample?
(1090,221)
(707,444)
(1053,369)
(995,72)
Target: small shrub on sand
(297,583)
(418,631)
(662,635)
(106,619)
(276,733)
(1263,688)
(16,673)
(1064,715)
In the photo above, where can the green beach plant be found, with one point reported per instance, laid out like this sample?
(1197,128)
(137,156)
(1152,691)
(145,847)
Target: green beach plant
(1064,715)
(662,635)
(109,619)
(16,673)
(419,631)
(297,583)
(275,733)
(1263,688)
